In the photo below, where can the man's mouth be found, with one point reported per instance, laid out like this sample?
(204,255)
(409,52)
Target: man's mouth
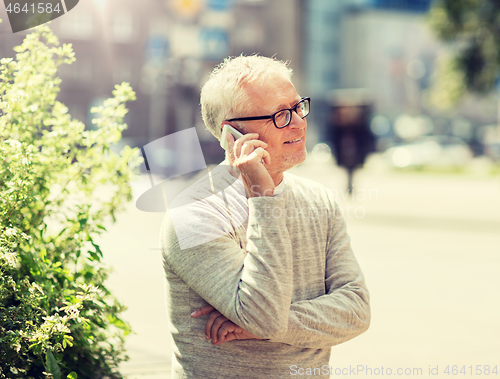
(297,140)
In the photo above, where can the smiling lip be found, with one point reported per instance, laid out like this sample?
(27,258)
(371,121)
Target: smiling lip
(296,141)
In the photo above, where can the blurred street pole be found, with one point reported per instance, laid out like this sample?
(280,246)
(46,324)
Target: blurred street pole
(498,107)
(156,53)
(157,106)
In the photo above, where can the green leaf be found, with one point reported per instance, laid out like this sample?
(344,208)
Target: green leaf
(97,249)
(82,222)
(72,375)
(93,256)
(52,365)
(67,340)
(62,231)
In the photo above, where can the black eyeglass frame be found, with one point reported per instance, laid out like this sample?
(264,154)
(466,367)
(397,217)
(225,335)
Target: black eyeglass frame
(292,109)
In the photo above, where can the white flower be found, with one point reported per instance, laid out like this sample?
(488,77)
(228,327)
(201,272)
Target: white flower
(25,236)
(36,286)
(10,232)
(72,311)
(13,143)
(10,259)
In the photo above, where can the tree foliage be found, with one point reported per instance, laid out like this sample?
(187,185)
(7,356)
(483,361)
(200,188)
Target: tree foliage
(473,28)
(57,318)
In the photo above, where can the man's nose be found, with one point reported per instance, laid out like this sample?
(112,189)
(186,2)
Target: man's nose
(297,122)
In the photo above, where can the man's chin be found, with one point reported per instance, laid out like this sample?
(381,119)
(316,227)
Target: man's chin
(292,160)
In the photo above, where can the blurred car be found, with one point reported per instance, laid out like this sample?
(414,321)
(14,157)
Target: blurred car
(430,151)
(492,150)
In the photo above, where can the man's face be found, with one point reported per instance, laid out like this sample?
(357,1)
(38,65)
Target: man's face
(265,99)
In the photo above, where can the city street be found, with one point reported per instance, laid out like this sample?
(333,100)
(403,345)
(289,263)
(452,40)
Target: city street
(428,244)
(415,80)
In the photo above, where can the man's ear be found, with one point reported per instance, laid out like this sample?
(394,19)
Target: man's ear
(228,123)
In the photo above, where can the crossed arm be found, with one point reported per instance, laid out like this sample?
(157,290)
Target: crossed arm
(251,286)
(251,292)
(339,315)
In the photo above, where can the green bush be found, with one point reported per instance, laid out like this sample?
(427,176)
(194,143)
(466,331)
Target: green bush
(57,319)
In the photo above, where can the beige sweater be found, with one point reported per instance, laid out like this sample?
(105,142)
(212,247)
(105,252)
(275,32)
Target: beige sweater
(280,267)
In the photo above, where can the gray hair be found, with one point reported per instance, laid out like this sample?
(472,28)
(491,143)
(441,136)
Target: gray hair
(223,96)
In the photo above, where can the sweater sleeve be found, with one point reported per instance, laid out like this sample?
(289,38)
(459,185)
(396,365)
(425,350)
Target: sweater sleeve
(251,285)
(343,312)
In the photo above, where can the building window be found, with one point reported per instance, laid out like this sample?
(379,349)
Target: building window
(78,71)
(122,27)
(122,72)
(77,25)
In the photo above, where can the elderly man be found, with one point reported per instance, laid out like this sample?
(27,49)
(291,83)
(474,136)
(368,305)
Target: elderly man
(261,277)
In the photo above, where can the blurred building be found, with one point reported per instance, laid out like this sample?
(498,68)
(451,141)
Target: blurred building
(164,49)
(343,46)
(387,48)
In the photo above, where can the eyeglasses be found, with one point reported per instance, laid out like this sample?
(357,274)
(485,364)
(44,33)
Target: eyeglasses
(283,117)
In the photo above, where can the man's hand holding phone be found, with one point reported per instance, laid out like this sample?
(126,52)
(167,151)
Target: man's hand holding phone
(248,154)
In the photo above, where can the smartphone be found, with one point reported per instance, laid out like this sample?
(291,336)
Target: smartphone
(228,129)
